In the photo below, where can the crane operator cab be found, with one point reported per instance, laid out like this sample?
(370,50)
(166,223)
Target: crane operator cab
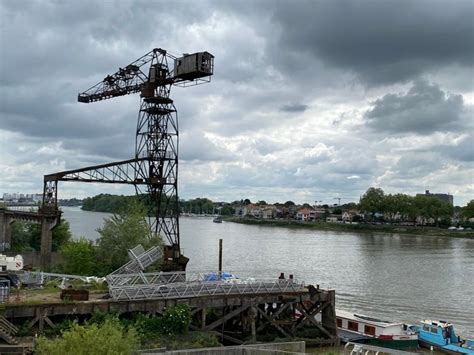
(195,66)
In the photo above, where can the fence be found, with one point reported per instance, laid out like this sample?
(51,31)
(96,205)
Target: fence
(4,290)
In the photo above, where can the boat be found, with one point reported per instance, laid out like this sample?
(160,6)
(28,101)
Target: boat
(372,331)
(441,336)
(218,219)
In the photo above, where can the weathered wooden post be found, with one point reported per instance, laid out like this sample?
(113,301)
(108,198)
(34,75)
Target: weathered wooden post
(253,316)
(203,318)
(328,314)
(220,257)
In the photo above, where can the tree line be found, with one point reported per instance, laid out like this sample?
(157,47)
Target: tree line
(420,209)
(113,203)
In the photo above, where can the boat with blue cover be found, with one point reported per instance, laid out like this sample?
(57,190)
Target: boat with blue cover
(441,335)
(220,276)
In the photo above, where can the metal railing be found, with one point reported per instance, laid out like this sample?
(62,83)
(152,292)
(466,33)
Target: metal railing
(145,278)
(4,290)
(37,279)
(139,260)
(191,289)
(129,282)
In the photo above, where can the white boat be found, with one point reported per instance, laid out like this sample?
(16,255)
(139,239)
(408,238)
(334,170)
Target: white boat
(358,328)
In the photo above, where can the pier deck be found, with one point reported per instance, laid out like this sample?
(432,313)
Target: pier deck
(247,314)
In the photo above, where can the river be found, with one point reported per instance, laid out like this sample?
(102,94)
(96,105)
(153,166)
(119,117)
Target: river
(390,276)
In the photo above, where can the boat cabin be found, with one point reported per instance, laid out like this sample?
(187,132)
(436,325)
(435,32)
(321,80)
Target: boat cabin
(438,332)
(367,326)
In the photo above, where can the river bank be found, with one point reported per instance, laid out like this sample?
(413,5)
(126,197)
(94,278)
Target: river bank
(359,228)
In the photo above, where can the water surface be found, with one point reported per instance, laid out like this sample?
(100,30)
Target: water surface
(396,277)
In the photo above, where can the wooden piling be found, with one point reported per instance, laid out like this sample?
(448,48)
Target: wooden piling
(220,256)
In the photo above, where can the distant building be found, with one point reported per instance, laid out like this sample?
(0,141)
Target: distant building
(310,214)
(256,211)
(268,212)
(22,198)
(443,197)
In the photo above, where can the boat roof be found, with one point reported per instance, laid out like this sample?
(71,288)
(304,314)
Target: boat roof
(366,319)
(440,323)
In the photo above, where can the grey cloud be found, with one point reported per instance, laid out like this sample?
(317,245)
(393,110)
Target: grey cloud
(424,109)
(418,165)
(294,107)
(382,42)
(196,147)
(266,146)
(272,59)
(463,150)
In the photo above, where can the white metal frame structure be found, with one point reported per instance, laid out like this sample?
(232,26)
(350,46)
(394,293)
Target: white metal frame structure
(191,289)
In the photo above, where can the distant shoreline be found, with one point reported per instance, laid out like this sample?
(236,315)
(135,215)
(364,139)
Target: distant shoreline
(361,228)
(343,227)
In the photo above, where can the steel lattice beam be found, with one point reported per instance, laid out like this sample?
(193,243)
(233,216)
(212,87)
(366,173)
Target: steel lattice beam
(121,172)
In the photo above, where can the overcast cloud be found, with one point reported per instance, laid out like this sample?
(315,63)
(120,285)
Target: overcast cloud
(310,100)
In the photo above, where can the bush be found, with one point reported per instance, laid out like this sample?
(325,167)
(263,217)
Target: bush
(79,257)
(91,339)
(123,231)
(176,320)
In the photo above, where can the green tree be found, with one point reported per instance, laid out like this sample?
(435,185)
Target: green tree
(427,208)
(349,206)
(21,237)
(373,201)
(79,257)
(396,206)
(61,234)
(123,231)
(92,339)
(468,211)
(420,208)
(27,236)
(440,210)
(227,210)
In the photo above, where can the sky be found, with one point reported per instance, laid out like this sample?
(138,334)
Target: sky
(310,100)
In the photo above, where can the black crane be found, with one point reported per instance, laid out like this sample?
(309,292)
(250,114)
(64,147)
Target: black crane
(154,168)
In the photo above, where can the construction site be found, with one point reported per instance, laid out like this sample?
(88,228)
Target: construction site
(237,311)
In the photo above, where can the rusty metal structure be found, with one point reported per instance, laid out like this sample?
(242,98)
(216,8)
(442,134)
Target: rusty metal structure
(154,169)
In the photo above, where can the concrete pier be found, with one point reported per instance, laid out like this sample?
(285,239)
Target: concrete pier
(47,220)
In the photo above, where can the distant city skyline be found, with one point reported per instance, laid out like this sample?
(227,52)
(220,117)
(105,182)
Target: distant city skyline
(310,100)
